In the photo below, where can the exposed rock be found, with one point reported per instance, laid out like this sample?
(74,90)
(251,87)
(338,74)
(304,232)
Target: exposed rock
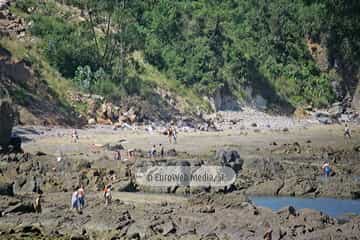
(298,186)
(269,188)
(230,158)
(324,118)
(125,186)
(7,116)
(24,207)
(124,222)
(301,113)
(115,147)
(27,185)
(224,100)
(287,211)
(336,109)
(78,236)
(32,229)
(319,53)
(136,231)
(164,227)
(10,25)
(356,99)
(7,189)
(171,153)
(91,121)
(40,153)
(18,72)
(355,194)
(317,220)
(207,209)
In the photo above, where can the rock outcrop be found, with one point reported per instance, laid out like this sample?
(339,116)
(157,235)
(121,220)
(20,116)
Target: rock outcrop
(230,158)
(10,25)
(7,117)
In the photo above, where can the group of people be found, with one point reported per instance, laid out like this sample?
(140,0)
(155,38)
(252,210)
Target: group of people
(130,153)
(78,197)
(154,152)
(326,168)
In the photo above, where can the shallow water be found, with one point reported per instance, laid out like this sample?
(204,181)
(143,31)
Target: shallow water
(331,206)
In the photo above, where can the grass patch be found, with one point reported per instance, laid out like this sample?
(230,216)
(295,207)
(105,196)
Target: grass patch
(152,76)
(29,50)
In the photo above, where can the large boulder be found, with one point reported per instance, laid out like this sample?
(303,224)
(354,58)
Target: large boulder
(230,158)
(6,189)
(7,117)
(356,99)
(21,208)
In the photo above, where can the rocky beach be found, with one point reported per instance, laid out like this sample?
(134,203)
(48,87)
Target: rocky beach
(268,162)
(179,120)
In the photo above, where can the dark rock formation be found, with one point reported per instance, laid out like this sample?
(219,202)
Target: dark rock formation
(7,116)
(230,158)
(6,189)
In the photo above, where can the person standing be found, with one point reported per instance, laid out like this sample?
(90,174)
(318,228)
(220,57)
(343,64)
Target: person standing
(107,195)
(162,152)
(81,194)
(326,168)
(75,201)
(37,204)
(347,132)
(174,135)
(117,155)
(153,151)
(170,134)
(268,232)
(74,136)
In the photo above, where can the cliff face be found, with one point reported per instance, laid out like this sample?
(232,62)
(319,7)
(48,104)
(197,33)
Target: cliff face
(7,116)
(356,98)
(344,76)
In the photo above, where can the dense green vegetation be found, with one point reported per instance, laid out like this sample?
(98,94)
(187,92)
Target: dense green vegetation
(205,45)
